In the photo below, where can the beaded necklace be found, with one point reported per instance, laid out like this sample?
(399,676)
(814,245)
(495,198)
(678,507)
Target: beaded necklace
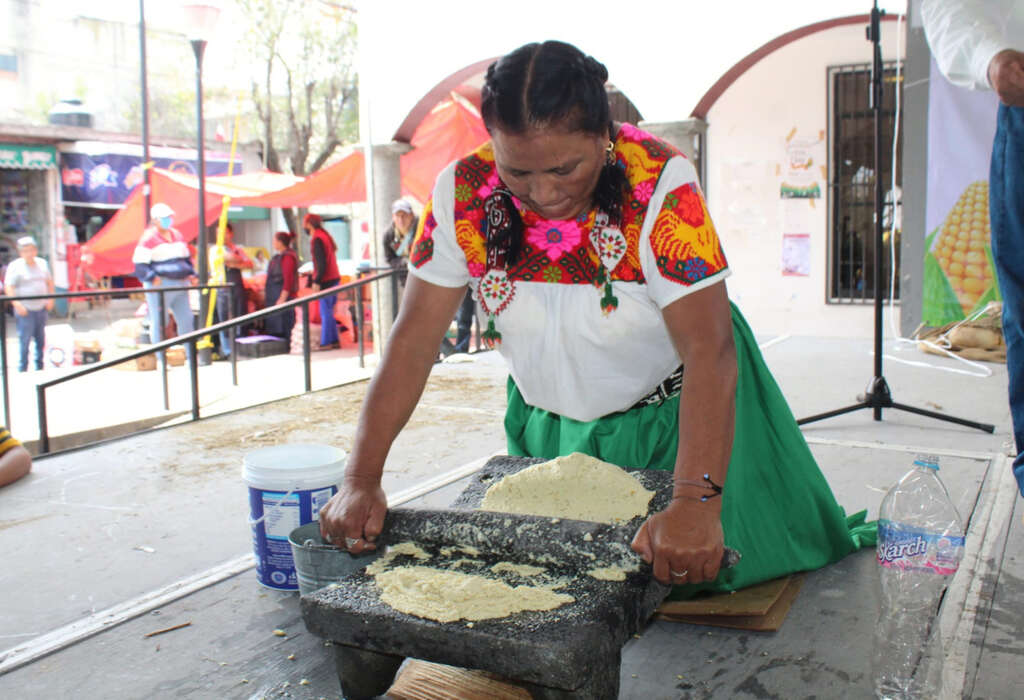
(496,290)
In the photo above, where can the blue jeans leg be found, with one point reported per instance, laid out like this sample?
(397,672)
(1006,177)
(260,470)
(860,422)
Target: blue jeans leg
(1006,195)
(156,327)
(328,326)
(39,334)
(31,329)
(23,324)
(177,304)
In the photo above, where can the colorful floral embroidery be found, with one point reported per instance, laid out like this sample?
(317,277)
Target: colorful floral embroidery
(552,273)
(423,243)
(643,192)
(610,245)
(689,206)
(685,245)
(496,291)
(554,237)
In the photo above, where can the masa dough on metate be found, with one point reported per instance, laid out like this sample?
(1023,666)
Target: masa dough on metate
(447,596)
(578,486)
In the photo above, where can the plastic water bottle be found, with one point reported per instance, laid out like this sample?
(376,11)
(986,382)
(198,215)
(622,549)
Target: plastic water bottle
(920,545)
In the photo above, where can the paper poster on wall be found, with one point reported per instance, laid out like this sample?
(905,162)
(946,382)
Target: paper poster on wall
(802,166)
(796,254)
(959,276)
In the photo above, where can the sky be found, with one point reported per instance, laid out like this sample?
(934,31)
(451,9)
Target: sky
(664,55)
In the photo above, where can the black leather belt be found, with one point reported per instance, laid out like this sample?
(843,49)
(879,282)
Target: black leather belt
(672,385)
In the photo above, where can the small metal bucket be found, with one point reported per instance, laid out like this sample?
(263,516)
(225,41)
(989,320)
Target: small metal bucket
(318,564)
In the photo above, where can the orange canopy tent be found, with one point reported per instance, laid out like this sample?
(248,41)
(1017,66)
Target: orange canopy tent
(451,130)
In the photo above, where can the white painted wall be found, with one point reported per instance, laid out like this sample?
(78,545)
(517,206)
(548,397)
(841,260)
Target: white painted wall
(663,55)
(747,129)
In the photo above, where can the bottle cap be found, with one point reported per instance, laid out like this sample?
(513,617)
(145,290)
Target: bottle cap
(929,461)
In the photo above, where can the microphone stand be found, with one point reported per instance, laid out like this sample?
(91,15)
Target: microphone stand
(878,394)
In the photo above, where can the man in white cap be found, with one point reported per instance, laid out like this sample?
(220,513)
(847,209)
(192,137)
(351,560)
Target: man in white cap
(163,255)
(26,276)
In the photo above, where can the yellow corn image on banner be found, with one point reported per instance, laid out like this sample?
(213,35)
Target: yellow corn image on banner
(959,276)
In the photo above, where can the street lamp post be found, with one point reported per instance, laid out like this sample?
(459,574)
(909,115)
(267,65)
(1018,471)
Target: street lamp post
(201,22)
(144,83)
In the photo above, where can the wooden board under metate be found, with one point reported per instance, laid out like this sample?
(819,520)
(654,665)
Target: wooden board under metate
(422,680)
(740,610)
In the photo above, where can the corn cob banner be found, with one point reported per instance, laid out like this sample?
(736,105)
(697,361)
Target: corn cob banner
(959,275)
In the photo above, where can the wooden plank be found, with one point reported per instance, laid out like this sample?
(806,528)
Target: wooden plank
(771,621)
(422,680)
(753,600)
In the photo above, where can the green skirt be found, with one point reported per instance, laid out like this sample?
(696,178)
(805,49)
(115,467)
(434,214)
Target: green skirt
(777,509)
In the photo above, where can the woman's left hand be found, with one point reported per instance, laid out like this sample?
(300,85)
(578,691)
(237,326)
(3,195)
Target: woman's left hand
(683,543)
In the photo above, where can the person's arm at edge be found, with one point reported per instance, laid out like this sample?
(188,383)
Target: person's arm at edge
(357,510)
(15,463)
(687,535)
(962,40)
(238,259)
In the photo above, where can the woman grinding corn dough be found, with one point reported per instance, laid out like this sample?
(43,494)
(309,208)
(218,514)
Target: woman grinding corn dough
(595,262)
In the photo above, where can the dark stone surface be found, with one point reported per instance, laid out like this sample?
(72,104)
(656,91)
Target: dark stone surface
(566,648)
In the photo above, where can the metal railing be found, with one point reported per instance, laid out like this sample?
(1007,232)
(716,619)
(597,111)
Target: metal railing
(192,338)
(89,294)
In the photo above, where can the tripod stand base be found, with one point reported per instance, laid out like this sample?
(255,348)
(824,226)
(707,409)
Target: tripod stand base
(878,396)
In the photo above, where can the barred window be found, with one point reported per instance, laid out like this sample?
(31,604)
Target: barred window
(851,237)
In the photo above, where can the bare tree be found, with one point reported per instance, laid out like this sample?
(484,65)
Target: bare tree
(305,96)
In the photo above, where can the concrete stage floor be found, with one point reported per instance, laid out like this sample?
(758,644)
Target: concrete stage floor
(106,544)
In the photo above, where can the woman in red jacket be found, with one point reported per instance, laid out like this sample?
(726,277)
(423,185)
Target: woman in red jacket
(282,284)
(325,275)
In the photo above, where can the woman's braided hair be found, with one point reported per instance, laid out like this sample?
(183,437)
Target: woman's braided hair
(541,84)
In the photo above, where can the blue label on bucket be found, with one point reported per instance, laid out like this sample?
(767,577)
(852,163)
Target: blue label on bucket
(283,513)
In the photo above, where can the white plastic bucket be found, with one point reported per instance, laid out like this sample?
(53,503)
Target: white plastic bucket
(288,485)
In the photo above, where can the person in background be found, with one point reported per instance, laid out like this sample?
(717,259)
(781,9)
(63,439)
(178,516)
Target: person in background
(235,260)
(162,254)
(29,275)
(398,237)
(980,46)
(325,275)
(282,284)
(15,461)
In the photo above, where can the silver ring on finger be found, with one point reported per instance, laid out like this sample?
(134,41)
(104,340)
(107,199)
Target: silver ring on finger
(350,542)
(679,574)
(327,538)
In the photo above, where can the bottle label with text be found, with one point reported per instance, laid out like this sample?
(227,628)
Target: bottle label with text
(905,547)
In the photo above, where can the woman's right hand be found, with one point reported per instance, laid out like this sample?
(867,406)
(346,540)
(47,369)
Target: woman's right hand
(20,309)
(354,517)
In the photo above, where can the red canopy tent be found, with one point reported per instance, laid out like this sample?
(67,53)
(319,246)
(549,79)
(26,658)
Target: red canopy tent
(109,252)
(452,129)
